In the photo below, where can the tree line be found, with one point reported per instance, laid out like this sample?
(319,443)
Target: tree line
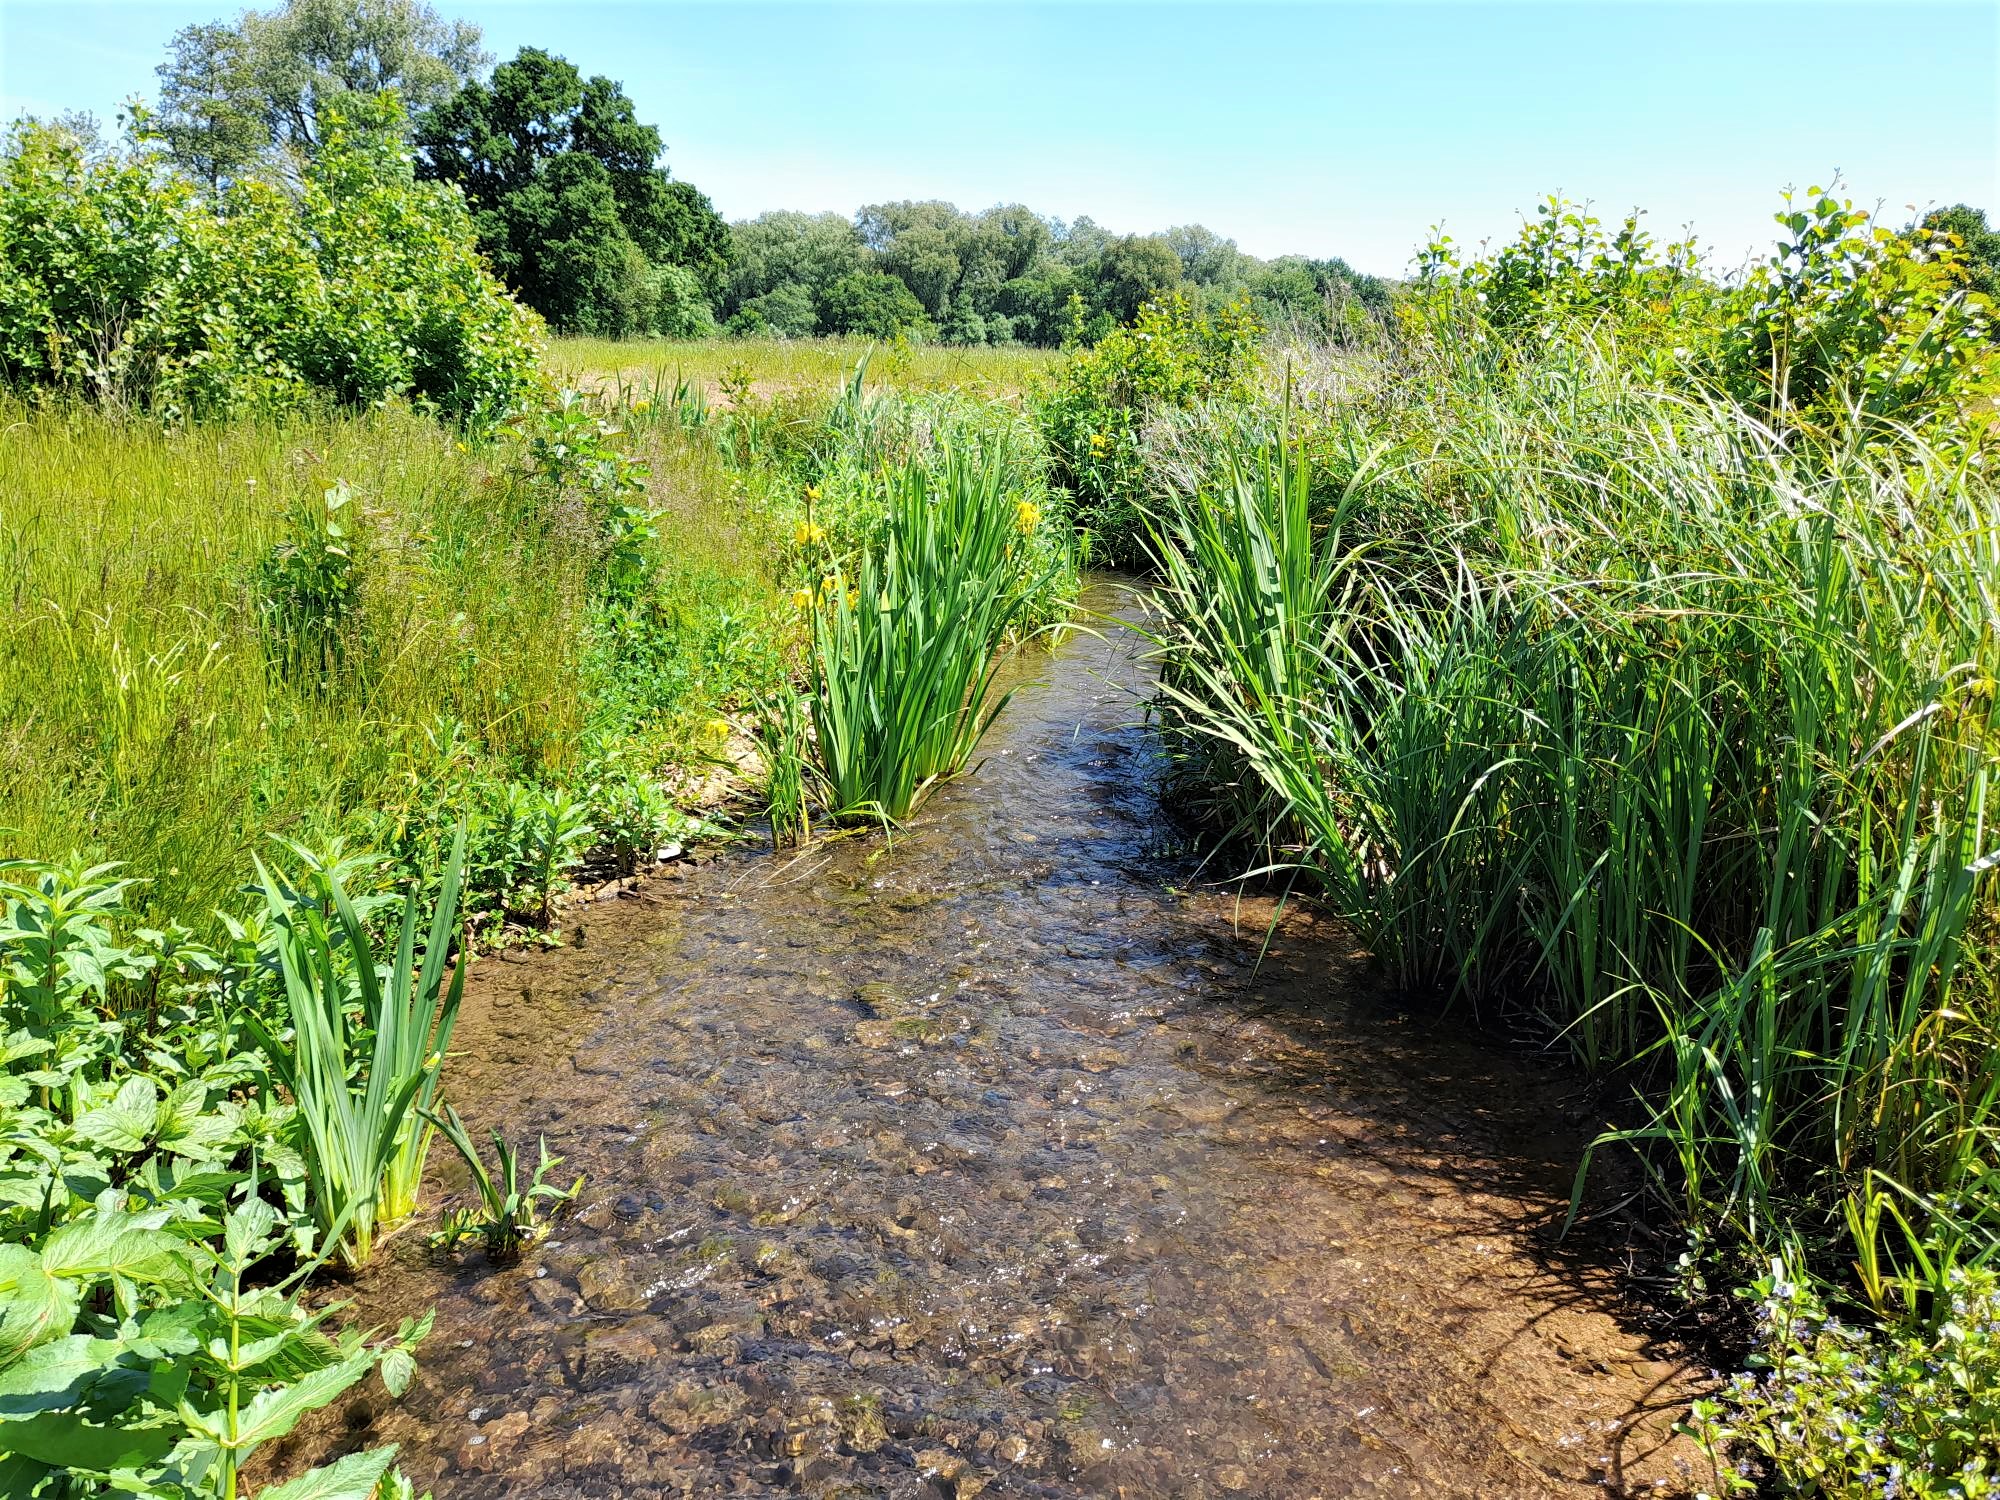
(579,215)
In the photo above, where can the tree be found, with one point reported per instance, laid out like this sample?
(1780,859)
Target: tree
(208,118)
(786,310)
(1978,242)
(871,303)
(234,98)
(568,192)
(809,250)
(1133,269)
(921,244)
(1207,259)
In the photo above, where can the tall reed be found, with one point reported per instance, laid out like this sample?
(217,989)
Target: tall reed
(1678,731)
(905,650)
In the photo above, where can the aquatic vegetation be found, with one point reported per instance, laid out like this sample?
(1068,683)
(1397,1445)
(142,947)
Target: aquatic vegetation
(1576,683)
(784,740)
(364,1142)
(510,1212)
(904,651)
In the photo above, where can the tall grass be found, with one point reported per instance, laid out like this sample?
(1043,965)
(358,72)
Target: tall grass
(189,659)
(904,653)
(1615,702)
(769,365)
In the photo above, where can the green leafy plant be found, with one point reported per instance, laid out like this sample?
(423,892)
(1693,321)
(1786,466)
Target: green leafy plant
(903,656)
(361,1083)
(510,1213)
(1845,1411)
(127,284)
(182,1363)
(783,733)
(1847,318)
(309,589)
(1094,412)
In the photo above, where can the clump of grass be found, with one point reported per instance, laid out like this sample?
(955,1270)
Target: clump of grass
(784,740)
(904,650)
(510,1212)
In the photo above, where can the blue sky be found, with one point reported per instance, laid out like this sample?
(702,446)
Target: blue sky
(1327,129)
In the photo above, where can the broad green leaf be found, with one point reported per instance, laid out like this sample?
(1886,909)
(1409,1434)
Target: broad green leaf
(67,1441)
(34,1306)
(247,1232)
(399,1368)
(272,1414)
(110,1245)
(116,1129)
(49,1376)
(351,1478)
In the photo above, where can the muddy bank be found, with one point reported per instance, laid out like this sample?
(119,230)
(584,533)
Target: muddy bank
(994,1162)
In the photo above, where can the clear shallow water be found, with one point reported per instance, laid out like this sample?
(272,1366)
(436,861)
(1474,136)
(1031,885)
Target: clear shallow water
(993,1161)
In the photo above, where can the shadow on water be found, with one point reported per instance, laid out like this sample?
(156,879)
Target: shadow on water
(993,1161)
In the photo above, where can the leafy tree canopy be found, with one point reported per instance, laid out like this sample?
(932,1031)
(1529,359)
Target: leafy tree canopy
(238,98)
(1978,241)
(1009,274)
(567,188)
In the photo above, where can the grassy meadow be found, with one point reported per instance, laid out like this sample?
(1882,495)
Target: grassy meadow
(148,568)
(767,366)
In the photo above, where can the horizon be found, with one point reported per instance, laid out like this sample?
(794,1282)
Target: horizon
(819,108)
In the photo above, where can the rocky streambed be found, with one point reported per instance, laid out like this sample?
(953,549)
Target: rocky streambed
(995,1160)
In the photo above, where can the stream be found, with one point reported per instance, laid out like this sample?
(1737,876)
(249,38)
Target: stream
(995,1159)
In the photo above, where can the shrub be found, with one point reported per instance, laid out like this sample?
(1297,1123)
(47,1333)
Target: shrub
(1093,414)
(120,283)
(1849,319)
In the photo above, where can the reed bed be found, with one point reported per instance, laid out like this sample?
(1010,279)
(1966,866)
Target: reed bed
(1679,730)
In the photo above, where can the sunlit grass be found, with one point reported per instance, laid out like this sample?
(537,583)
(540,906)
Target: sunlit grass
(1581,696)
(774,365)
(144,716)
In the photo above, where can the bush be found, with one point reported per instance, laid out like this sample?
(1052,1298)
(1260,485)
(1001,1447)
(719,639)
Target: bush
(121,284)
(1848,319)
(1094,412)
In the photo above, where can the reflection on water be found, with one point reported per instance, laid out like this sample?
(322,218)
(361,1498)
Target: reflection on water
(993,1162)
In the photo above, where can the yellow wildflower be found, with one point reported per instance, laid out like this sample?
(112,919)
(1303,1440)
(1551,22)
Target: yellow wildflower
(718,729)
(808,533)
(812,493)
(801,599)
(1027,515)
(1099,444)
